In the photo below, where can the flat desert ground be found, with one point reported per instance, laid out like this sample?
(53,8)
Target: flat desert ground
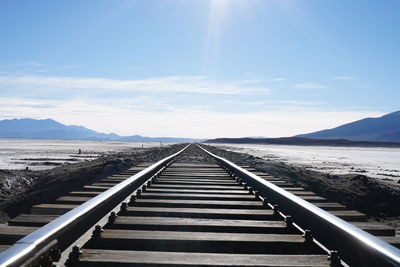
(17,154)
(376,162)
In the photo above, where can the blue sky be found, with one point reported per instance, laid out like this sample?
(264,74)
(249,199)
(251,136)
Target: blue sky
(200,68)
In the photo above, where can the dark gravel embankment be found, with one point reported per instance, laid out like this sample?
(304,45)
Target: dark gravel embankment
(379,200)
(19,190)
(196,155)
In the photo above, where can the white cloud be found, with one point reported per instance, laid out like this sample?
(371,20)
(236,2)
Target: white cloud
(198,121)
(208,124)
(106,105)
(277,80)
(291,103)
(344,78)
(23,67)
(309,86)
(180,84)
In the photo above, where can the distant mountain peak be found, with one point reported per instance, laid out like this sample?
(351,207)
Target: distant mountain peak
(27,128)
(393,114)
(30,120)
(385,128)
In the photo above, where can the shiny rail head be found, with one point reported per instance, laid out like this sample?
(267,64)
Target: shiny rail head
(370,246)
(28,246)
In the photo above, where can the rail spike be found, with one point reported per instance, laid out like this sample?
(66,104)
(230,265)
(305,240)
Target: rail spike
(256,194)
(46,261)
(55,254)
(112,217)
(132,200)
(289,221)
(97,231)
(73,257)
(317,221)
(123,208)
(276,209)
(138,193)
(307,236)
(334,258)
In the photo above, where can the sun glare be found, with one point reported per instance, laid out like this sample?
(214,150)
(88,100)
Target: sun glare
(219,4)
(217,16)
(220,12)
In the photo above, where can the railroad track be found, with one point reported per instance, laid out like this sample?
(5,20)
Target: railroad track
(181,212)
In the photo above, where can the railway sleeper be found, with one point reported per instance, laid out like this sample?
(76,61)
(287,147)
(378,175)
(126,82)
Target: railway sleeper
(194,215)
(210,242)
(108,258)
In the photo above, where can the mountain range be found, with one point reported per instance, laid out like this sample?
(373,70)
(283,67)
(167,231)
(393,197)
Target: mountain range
(382,129)
(302,141)
(51,129)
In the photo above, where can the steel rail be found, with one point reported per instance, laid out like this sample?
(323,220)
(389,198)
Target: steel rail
(355,246)
(27,247)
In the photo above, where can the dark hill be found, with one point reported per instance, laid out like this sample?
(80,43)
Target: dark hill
(301,141)
(385,128)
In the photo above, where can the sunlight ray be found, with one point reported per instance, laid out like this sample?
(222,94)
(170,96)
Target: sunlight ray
(217,16)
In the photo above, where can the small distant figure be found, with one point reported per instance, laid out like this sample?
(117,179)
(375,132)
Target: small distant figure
(80,151)
(142,145)
(27,169)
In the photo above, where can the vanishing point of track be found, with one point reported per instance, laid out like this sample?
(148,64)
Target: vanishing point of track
(186,213)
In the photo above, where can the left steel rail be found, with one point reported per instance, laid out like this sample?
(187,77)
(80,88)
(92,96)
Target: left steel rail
(29,246)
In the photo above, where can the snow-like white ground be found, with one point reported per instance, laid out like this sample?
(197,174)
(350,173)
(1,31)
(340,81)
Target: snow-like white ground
(46,154)
(382,163)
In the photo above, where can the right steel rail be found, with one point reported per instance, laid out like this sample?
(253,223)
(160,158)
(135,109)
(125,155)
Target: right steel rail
(355,246)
